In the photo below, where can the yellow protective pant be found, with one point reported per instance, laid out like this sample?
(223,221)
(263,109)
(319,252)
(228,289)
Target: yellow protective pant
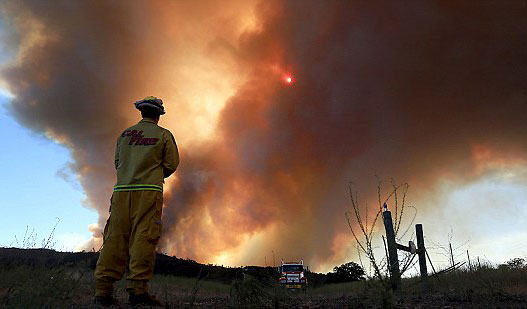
(131,232)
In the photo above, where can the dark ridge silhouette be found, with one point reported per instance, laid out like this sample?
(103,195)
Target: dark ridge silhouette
(165,265)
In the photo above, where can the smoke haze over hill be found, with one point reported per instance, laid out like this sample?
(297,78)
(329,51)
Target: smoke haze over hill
(425,92)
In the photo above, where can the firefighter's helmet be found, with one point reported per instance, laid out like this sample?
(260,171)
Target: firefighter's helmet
(151,102)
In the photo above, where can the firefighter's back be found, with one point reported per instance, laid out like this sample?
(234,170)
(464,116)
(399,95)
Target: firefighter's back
(139,156)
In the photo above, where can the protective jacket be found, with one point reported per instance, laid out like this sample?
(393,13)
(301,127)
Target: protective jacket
(145,154)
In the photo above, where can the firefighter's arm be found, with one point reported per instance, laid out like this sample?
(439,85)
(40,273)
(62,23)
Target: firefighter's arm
(170,154)
(117,148)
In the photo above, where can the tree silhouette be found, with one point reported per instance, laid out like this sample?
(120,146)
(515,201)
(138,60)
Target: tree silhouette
(345,273)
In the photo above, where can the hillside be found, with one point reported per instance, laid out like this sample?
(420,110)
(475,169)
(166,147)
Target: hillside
(38,277)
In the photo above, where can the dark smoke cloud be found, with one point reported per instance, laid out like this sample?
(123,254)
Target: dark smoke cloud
(410,90)
(413,90)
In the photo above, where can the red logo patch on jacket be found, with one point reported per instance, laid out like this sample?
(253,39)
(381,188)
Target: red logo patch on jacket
(137,138)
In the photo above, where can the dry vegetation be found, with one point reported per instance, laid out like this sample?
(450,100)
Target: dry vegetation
(52,279)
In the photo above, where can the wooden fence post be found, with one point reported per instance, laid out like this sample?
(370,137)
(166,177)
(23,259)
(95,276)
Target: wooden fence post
(421,251)
(451,255)
(392,249)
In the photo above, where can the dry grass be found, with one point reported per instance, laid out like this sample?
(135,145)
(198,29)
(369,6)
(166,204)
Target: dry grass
(31,286)
(71,285)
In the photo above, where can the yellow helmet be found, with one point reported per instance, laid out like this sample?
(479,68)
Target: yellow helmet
(151,102)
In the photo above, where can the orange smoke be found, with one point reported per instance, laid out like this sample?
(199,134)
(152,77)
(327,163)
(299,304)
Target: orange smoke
(265,165)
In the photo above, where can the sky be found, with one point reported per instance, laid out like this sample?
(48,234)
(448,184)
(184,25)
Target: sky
(40,192)
(428,93)
(42,196)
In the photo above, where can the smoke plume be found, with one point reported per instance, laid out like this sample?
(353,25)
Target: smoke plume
(422,91)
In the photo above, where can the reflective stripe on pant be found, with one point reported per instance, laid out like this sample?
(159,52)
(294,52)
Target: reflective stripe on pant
(132,232)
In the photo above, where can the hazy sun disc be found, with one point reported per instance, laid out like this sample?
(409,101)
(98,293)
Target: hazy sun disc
(288,79)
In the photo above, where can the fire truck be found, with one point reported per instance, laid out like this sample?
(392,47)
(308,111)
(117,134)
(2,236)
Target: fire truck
(293,275)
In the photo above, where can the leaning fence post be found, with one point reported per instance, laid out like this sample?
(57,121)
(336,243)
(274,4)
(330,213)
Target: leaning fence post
(452,256)
(392,249)
(469,264)
(421,251)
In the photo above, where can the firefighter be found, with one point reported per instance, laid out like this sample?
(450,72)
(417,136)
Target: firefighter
(145,154)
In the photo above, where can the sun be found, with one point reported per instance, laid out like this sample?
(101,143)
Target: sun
(288,79)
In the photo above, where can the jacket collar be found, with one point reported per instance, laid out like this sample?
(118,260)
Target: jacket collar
(147,120)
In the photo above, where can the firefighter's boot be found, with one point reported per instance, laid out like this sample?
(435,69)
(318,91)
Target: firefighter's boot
(105,301)
(144,299)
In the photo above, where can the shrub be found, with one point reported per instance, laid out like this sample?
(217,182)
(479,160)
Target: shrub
(346,273)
